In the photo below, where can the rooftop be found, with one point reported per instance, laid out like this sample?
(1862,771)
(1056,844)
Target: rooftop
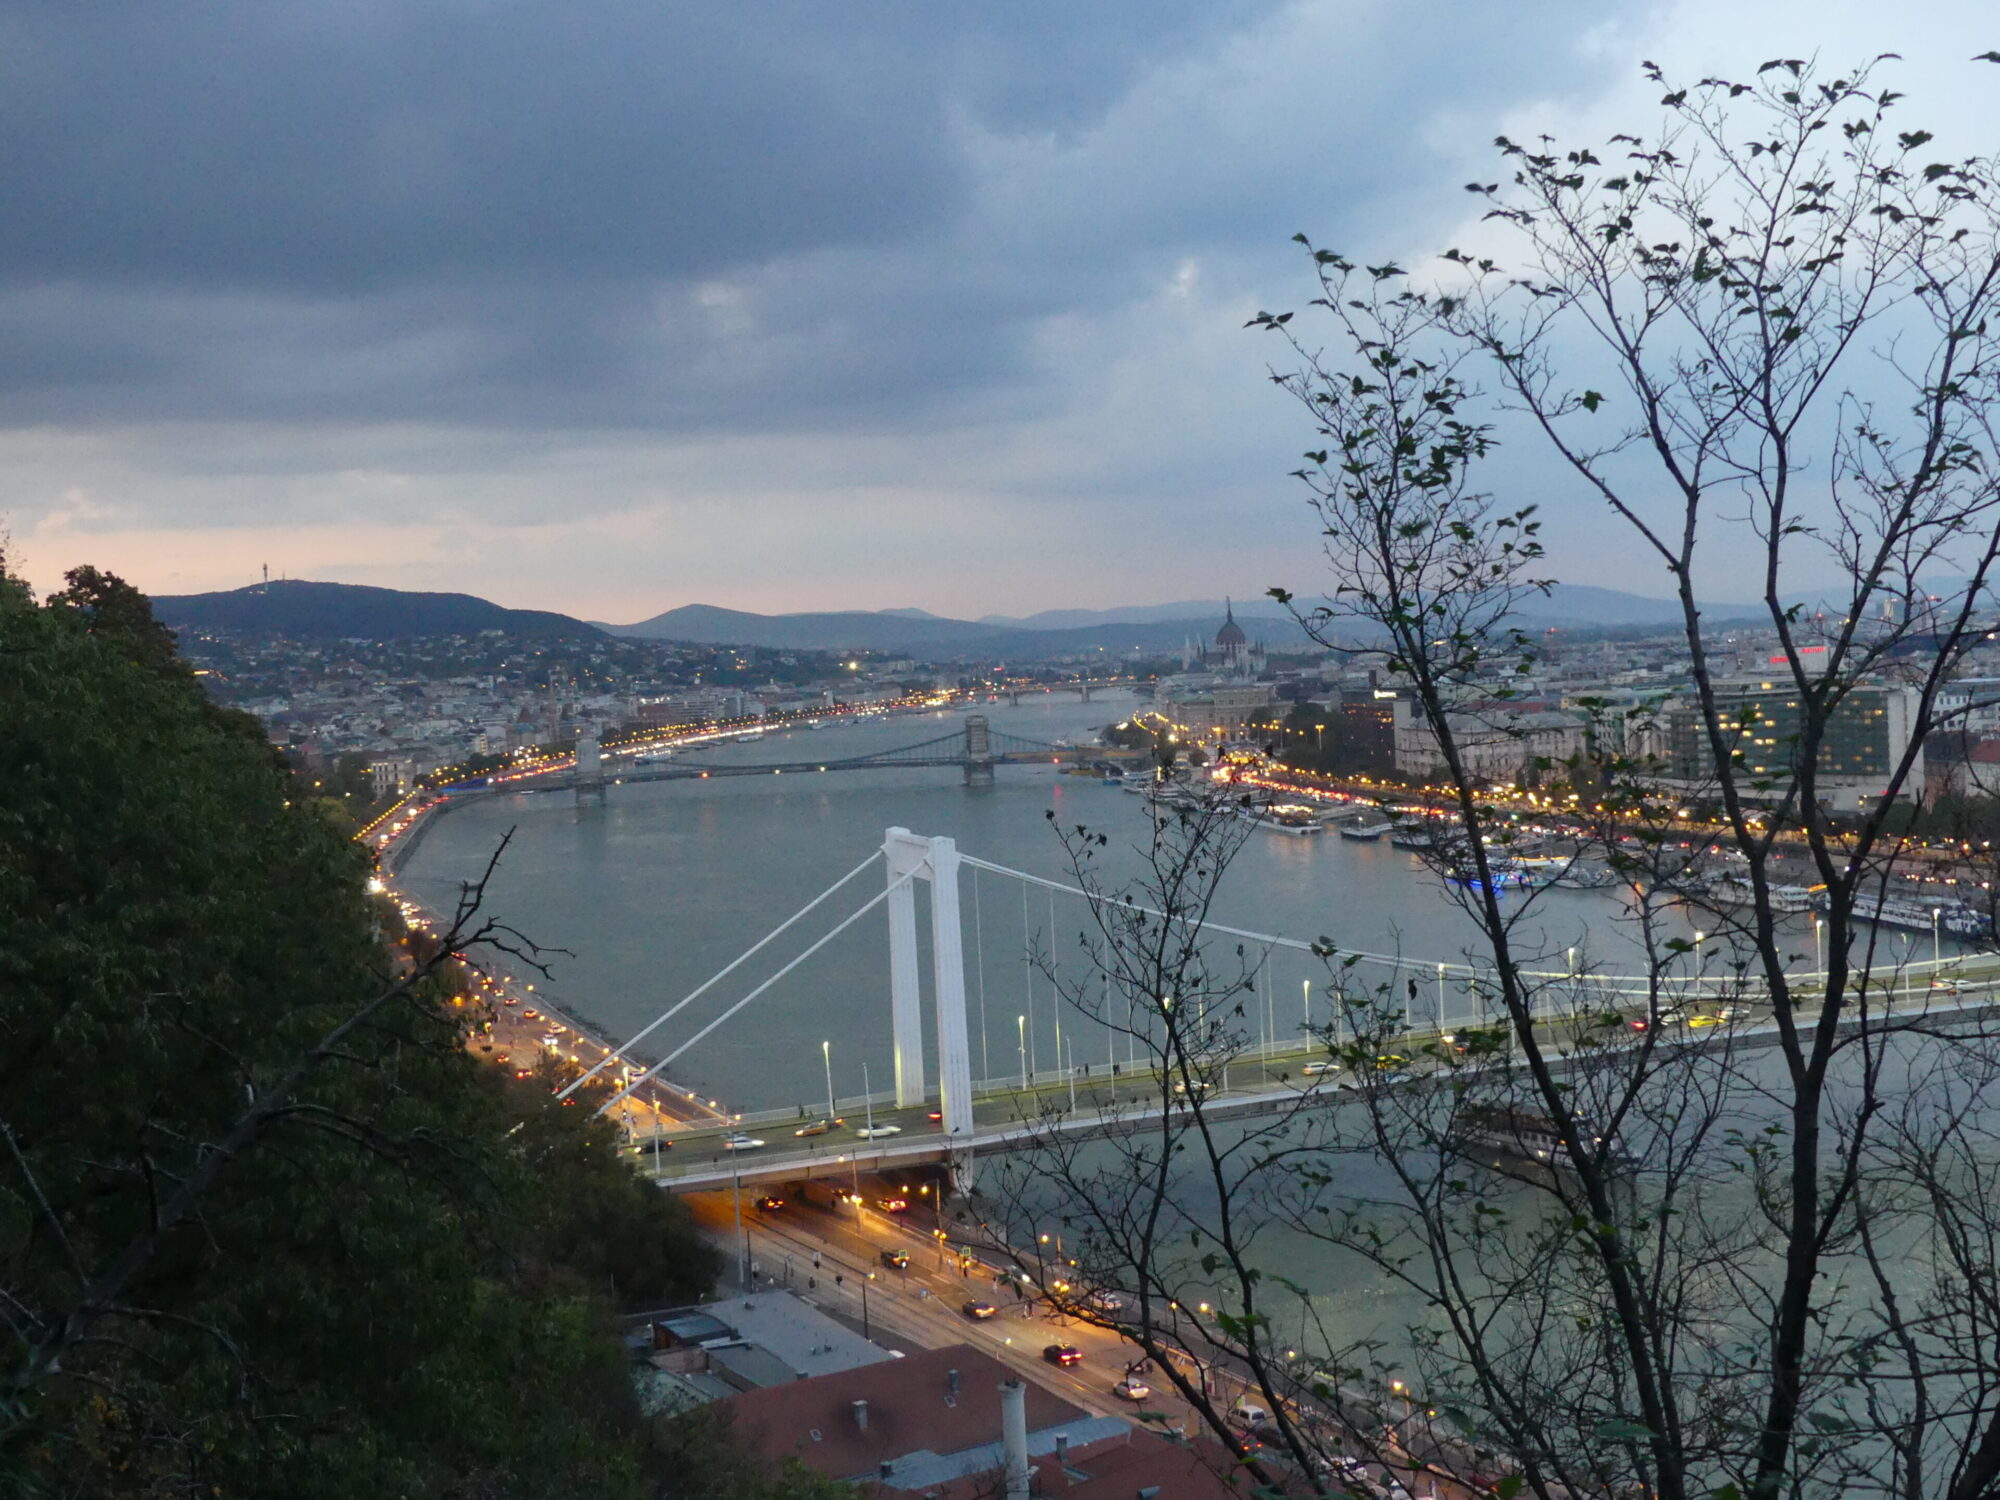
(795,1332)
(912,1411)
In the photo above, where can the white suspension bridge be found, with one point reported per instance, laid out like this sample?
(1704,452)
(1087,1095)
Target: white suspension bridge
(937,1111)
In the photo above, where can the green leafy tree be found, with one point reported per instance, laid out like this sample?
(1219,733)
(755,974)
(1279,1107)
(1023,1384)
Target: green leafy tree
(265,1227)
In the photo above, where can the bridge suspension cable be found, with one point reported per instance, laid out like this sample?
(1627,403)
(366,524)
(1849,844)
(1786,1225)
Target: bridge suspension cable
(714,979)
(1397,961)
(866,907)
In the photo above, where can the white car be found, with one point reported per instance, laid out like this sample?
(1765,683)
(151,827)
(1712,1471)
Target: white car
(1249,1412)
(1324,1065)
(740,1142)
(876,1132)
(1106,1300)
(1131,1390)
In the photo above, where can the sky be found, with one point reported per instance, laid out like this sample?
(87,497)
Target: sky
(612,308)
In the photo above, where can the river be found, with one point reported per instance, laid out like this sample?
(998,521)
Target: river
(660,885)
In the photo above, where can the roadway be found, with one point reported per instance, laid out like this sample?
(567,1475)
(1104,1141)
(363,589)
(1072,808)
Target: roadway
(808,1143)
(833,1258)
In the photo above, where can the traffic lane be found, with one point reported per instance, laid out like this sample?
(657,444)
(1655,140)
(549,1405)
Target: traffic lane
(829,1252)
(925,1303)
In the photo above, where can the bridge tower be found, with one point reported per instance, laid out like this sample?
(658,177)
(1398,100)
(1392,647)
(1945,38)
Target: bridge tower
(935,860)
(588,778)
(978,752)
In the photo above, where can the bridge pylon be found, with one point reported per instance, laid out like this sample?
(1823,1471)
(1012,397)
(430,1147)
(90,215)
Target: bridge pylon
(937,860)
(978,751)
(588,778)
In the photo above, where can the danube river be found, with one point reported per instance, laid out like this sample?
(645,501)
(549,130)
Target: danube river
(662,884)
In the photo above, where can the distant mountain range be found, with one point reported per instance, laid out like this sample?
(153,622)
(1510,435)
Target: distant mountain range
(299,610)
(307,611)
(1056,632)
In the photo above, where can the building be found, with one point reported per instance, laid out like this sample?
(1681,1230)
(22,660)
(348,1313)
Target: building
(390,778)
(926,1419)
(1218,693)
(1866,740)
(1497,744)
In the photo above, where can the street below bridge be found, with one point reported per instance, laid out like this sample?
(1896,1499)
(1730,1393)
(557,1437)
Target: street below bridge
(834,1258)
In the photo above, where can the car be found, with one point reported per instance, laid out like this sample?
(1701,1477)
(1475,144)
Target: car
(1129,1389)
(770,1204)
(1249,1412)
(1697,1022)
(877,1132)
(893,1205)
(510,1000)
(1064,1355)
(896,1260)
(1324,1065)
(740,1142)
(524,1072)
(1105,1300)
(818,1127)
(1199,1086)
(936,1117)
(531,1014)
(979,1311)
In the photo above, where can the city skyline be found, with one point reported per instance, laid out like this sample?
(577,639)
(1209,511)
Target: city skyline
(788,314)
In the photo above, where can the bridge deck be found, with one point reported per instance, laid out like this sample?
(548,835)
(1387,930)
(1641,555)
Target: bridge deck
(1005,1116)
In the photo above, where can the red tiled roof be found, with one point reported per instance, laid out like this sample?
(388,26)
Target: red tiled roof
(909,1411)
(1114,1469)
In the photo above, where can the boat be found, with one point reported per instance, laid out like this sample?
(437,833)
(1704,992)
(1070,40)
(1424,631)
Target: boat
(1912,914)
(1501,872)
(1363,831)
(1519,1142)
(1584,877)
(1418,837)
(1734,890)
(1969,925)
(652,759)
(1287,818)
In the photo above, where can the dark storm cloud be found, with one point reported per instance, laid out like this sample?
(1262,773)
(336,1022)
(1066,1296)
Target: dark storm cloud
(358,146)
(687,217)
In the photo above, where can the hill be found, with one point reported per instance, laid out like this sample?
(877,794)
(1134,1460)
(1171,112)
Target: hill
(1061,632)
(342,611)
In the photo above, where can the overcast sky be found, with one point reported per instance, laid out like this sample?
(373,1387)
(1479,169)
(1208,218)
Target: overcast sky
(612,307)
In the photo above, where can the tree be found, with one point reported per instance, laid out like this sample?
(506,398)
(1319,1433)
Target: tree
(1749,1257)
(1790,304)
(264,1225)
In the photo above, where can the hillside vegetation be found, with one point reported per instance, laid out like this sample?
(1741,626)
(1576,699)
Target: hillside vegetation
(265,1227)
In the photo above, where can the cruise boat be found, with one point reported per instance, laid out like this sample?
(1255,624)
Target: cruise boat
(1734,890)
(1524,1143)
(1969,924)
(1912,913)
(1364,830)
(1288,818)
(1413,837)
(1585,877)
(1503,873)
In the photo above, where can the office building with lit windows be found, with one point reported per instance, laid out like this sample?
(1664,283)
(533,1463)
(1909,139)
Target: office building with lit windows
(1865,741)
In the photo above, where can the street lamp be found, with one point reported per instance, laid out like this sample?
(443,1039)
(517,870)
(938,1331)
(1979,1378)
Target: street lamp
(1937,956)
(1021,1031)
(826,1056)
